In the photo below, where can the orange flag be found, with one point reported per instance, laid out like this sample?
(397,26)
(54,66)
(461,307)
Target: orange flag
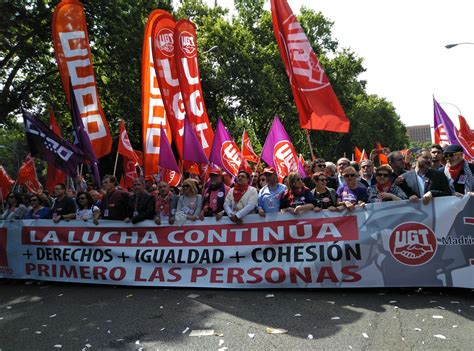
(247,149)
(383,160)
(357,154)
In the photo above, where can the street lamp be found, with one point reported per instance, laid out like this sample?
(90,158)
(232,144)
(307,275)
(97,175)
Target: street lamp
(449,46)
(448,103)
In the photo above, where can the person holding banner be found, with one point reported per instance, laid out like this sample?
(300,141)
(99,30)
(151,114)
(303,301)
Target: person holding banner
(325,198)
(15,209)
(458,171)
(165,204)
(242,198)
(385,189)
(114,204)
(190,202)
(64,207)
(214,195)
(86,209)
(141,205)
(37,210)
(270,195)
(352,193)
(298,198)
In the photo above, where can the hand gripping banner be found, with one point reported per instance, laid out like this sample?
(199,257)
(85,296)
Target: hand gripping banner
(164,61)
(73,55)
(190,82)
(389,244)
(153,110)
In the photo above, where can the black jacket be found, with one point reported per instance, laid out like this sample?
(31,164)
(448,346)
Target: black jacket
(435,181)
(141,207)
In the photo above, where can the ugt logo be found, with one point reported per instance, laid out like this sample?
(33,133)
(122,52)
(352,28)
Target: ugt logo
(230,157)
(285,158)
(166,42)
(187,44)
(412,244)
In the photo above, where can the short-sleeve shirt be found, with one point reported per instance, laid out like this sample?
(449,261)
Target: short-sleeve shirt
(269,199)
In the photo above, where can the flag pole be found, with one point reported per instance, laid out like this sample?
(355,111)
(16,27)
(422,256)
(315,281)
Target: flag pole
(309,143)
(116,160)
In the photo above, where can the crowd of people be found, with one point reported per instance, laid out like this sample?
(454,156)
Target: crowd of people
(342,186)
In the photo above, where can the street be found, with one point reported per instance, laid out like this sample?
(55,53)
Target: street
(53,316)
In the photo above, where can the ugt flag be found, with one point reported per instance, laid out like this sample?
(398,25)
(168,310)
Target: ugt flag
(279,152)
(317,104)
(225,152)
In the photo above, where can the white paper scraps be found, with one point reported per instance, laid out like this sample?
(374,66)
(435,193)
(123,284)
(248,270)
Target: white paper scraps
(108,321)
(276,331)
(161,307)
(393,301)
(44,325)
(440,336)
(335,318)
(202,332)
(9,307)
(137,342)
(350,347)
(162,329)
(119,340)
(310,337)
(331,302)
(269,296)
(193,296)
(455,326)
(417,329)
(365,335)
(222,349)
(38,332)
(208,325)
(60,295)
(395,307)
(108,331)
(433,301)
(454,301)
(129,296)
(140,349)
(53,315)
(298,315)
(221,342)
(24,329)
(185,330)
(441,307)
(88,345)
(58,346)
(251,335)
(1,318)
(437,317)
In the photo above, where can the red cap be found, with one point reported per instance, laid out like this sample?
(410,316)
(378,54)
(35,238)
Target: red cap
(270,170)
(216,170)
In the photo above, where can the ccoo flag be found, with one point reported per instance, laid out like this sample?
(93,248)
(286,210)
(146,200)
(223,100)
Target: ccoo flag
(225,152)
(279,152)
(315,100)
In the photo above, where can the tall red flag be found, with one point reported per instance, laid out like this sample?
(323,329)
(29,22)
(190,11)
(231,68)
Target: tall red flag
(129,172)
(357,154)
(27,175)
(364,156)
(5,183)
(315,100)
(190,82)
(466,133)
(54,175)
(247,149)
(73,55)
(383,160)
(125,147)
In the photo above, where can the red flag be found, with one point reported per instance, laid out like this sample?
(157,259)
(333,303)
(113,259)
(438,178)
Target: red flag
(364,156)
(247,150)
(27,175)
(5,183)
(54,176)
(383,160)
(153,111)
(357,154)
(190,82)
(171,177)
(73,55)
(129,172)
(315,100)
(301,158)
(125,147)
(466,133)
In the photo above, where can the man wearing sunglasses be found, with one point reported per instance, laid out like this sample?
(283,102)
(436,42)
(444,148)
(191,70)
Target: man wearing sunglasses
(458,171)
(424,183)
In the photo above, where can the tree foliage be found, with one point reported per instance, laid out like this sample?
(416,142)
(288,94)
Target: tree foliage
(243,76)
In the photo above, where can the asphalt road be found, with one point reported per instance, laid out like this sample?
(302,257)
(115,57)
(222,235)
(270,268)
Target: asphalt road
(55,316)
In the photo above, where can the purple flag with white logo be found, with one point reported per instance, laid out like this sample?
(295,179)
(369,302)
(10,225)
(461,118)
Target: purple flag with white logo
(46,145)
(279,152)
(225,152)
(166,159)
(192,148)
(81,138)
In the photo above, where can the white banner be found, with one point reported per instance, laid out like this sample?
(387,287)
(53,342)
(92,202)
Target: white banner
(392,244)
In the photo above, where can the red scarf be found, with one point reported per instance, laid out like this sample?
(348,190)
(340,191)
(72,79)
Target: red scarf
(456,170)
(165,202)
(239,191)
(384,188)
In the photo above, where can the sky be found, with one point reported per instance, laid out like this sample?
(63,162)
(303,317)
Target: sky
(403,46)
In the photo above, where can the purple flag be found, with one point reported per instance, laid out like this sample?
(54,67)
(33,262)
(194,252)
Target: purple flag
(279,152)
(166,159)
(81,138)
(48,146)
(445,132)
(192,148)
(225,152)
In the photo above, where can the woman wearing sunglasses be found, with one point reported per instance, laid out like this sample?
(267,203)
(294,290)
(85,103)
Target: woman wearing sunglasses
(384,188)
(37,209)
(189,202)
(14,208)
(324,198)
(353,193)
(86,209)
(298,198)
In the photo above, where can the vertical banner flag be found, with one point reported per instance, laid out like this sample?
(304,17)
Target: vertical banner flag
(153,110)
(54,175)
(162,43)
(357,154)
(167,160)
(46,145)
(192,150)
(445,131)
(247,149)
(27,175)
(190,82)
(315,99)
(279,152)
(129,172)
(5,183)
(383,159)
(73,55)
(225,152)
(124,147)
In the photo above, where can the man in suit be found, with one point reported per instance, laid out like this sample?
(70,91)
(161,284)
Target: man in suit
(141,205)
(424,183)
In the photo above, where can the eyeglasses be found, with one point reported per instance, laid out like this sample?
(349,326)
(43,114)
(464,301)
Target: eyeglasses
(383,175)
(365,166)
(321,165)
(322,179)
(350,175)
(449,154)
(298,179)
(262,180)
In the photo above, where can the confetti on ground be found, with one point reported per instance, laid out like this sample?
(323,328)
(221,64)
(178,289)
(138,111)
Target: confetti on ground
(298,315)
(193,296)
(108,331)
(433,301)
(393,301)
(454,301)
(162,329)
(108,321)
(276,331)
(38,332)
(185,330)
(251,335)
(58,346)
(350,347)
(310,337)
(335,318)
(1,318)
(60,295)
(137,342)
(455,326)
(52,316)
(269,296)
(331,302)
(88,345)
(161,307)
(440,336)
(395,307)
(129,296)
(365,335)
(441,308)
(222,349)
(221,342)
(202,332)
(417,329)
(9,307)
(437,317)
